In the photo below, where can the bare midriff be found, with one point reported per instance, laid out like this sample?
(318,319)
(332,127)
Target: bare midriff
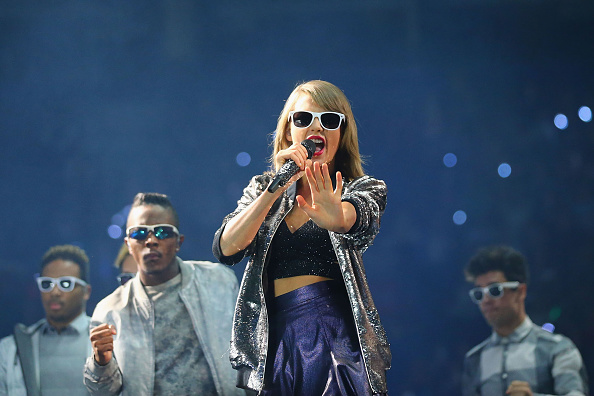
(285,285)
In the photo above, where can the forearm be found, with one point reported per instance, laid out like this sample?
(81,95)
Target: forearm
(241,229)
(102,380)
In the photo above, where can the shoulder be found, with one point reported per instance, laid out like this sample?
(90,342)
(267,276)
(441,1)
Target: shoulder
(6,342)
(365,183)
(477,350)
(256,186)
(551,342)
(7,349)
(211,271)
(260,182)
(115,301)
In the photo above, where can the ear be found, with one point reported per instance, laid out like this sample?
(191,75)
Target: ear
(522,291)
(180,240)
(128,244)
(87,292)
(288,135)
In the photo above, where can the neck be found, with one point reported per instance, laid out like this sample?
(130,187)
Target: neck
(61,325)
(157,278)
(508,329)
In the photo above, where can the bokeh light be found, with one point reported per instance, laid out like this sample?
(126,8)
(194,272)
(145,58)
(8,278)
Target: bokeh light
(561,121)
(118,219)
(450,160)
(585,114)
(243,159)
(554,313)
(459,217)
(114,231)
(504,170)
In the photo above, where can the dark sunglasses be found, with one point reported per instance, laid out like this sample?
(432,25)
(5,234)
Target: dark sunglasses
(328,119)
(160,231)
(64,283)
(494,290)
(125,277)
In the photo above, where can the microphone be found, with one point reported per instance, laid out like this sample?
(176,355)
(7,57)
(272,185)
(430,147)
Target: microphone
(290,168)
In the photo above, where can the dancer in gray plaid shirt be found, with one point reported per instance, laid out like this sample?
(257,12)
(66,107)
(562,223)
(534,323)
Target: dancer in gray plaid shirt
(519,358)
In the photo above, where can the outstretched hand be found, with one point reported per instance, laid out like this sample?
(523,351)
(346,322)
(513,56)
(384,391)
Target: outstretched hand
(102,342)
(326,209)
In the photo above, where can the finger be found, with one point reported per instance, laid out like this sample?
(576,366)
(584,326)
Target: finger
(326,176)
(319,176)
(105,333)
(338,189)
(303,205)
(313,185)
(100,327)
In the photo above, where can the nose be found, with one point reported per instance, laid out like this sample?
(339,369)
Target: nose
(486,298)
(55,291)
(151,239)
(316,124)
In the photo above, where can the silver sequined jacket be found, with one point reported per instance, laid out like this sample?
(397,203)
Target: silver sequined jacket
(249,343)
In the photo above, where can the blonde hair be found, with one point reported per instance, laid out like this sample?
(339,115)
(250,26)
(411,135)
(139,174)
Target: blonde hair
(328,96)
(122,254)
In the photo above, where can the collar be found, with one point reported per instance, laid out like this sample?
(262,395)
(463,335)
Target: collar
(517,336)
(80,325)
(138,288)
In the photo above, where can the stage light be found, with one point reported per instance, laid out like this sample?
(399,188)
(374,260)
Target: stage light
(585,114)
(450,160)
(548,327)
(243,159)
(459,217)
(504,170)
(561,121)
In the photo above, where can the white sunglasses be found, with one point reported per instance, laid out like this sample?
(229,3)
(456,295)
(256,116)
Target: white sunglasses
(494,290)
(65,283)
(329,120)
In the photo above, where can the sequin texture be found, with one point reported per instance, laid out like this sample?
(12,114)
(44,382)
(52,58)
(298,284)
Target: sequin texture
(249,342)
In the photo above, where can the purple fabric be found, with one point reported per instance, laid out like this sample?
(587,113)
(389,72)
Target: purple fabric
(314,349)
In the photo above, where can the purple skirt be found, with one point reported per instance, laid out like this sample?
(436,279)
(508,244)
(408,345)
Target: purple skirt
(313,346)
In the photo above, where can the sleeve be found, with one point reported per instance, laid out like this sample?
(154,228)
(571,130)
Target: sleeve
(102,380)
(469,374)
(368,195)
(4,361)
(256,187)
(569,372)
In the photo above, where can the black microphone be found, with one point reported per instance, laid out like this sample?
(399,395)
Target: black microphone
(290,168)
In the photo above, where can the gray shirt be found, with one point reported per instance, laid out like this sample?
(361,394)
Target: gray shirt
(550,363)
(180,365)
(62,357)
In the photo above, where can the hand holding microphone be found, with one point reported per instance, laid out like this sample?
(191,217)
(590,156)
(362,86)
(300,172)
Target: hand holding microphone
(290,168)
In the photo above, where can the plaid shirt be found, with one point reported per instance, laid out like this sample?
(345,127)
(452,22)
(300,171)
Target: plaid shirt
(550,363)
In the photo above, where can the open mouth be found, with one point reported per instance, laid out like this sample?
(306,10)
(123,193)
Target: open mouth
(320,144)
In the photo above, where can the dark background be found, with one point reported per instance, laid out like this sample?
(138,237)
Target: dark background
(102,99)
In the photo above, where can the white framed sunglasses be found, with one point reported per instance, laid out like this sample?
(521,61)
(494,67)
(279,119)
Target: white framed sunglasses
(329,120)
(65,283)
(160,231)
(494,290)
